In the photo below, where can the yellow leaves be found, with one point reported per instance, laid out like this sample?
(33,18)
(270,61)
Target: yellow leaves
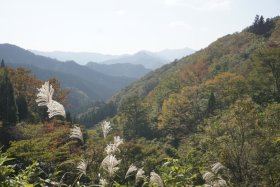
(277,139)
(227,86)
(225,77)
(180,111)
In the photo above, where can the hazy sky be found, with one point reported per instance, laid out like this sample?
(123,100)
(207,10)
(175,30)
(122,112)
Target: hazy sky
(125,26)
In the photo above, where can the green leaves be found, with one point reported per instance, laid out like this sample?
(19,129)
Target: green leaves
(9,176)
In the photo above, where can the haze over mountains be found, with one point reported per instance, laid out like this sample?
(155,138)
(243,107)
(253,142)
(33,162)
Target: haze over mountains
(122,69)
(150,60)
(82,80)
(80,57)
(93,81)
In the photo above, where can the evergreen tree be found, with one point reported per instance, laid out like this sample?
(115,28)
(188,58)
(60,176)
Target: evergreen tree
(261,21)
(8,109)
(261,26)
(256,21)
(211,103)
(68,117)
(137,121)
(22,107)
(2,63)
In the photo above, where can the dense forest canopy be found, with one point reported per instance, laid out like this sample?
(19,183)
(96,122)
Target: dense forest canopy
(208,119)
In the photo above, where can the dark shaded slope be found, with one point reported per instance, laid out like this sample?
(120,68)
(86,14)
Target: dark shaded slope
(95,84)
(120,70)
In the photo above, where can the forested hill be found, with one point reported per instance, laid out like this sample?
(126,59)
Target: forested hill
(220,105)
(210,119)
(232,53)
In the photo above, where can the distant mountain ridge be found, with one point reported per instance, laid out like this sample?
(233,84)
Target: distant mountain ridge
(145,58)
(97,86)
(91,82)
(150,60)
(123,69)
(172,54)
(80,57)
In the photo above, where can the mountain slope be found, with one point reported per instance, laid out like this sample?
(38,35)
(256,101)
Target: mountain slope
(80,57)
(220,105)
(147,59)
(229,53)
(95,85)
(120,70)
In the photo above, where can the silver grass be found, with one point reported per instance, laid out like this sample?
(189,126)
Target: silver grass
(166,164)
(140,175)
(44,98)
(217,167)
(105,126)
(220,183)
(76,132)
(109,164)
(212,179)
(118,141)
(208,176)
(130,170)
(111,149)
(55,109)
(103,182)
(82,167)
(155,179)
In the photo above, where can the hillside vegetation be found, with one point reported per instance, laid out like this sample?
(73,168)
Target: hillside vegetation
(220,104)
(209,119)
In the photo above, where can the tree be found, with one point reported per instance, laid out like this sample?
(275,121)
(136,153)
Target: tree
(261,27)
(8,109)
(181,112)
(211,103)
(68,117)
(256,21)
(193,74)
(137,122)
(165,88)
(25,84)
(22,107)
(227,87)
(2,63)
(270,60)
(243,138)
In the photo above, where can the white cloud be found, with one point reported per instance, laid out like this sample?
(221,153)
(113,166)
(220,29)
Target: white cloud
(120,12)
(201,4)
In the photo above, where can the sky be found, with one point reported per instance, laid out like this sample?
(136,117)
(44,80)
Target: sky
(125,26)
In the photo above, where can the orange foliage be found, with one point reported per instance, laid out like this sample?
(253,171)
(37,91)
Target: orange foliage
(26,84)
(194,73)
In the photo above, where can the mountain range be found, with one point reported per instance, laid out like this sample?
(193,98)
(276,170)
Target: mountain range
(150,60)
(82,81)
(122,69)
(80,57)
(90,82)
